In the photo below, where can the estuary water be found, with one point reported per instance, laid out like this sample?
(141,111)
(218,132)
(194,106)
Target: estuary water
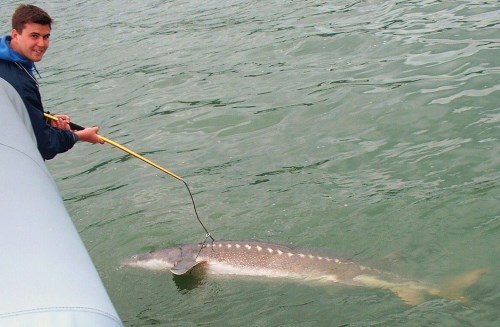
(370,128)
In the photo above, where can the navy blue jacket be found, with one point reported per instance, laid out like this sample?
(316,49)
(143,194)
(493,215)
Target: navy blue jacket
(50,140)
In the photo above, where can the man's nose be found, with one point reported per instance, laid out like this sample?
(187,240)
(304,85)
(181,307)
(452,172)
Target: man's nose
(42,42)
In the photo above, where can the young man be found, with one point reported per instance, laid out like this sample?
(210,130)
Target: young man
(19,51)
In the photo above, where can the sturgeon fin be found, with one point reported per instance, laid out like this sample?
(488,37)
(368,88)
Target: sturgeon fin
(408,292)
(410,296)
(184,266)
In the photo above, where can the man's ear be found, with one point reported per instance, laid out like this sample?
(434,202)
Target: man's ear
(14,34)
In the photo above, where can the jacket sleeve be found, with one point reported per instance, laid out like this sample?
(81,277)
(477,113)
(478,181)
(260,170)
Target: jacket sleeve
(50,140)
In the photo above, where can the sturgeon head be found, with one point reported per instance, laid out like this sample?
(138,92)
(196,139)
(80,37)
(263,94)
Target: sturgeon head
(159,260)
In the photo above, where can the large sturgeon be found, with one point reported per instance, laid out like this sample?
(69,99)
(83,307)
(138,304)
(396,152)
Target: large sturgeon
(250,258)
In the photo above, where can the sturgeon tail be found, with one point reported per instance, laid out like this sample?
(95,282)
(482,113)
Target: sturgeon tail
(454,289)
(414,294)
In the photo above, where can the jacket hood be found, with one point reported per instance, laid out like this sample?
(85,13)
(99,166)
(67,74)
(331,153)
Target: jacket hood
(7,53)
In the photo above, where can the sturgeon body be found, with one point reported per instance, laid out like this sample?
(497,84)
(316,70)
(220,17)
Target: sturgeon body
(251,258)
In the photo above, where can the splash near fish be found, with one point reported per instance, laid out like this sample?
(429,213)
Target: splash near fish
(269,260)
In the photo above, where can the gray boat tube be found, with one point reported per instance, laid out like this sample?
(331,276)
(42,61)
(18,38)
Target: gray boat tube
(47,277)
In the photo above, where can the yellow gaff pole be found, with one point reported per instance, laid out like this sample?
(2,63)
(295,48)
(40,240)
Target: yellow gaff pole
(77,127)
(121,147)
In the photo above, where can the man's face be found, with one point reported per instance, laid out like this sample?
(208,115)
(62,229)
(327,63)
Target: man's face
(32,42)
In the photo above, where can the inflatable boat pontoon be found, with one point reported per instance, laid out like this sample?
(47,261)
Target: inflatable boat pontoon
(46,275)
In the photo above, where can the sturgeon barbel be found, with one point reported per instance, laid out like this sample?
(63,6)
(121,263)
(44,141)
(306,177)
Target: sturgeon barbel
(262,259)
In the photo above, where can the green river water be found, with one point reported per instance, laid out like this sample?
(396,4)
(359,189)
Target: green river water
(370,128)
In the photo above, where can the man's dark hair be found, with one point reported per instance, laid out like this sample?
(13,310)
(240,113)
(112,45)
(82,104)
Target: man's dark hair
(25,14)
